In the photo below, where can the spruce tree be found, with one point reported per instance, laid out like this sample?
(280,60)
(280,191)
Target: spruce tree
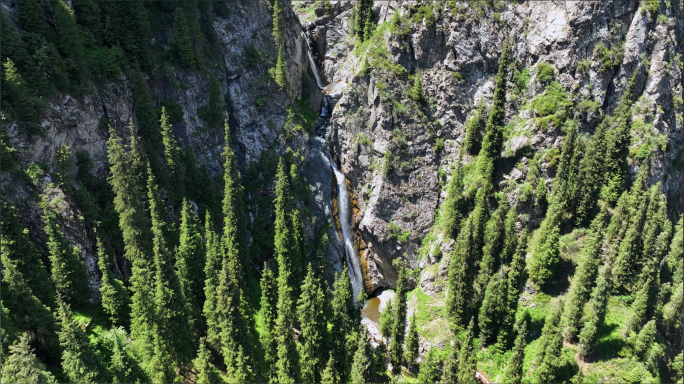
(675,259)
(493,139)
(215,114)
(115,300)
(494,238)
(585,277)
(32,18)
(171,154)
(233,233)
(206,371)
(565,182)
(417,90)
(181,39)
(195,30)
(468,358)
(28,313)
(552,344)
(146,117)
(474,128)
(457,283)
(269,302)
(514,282)
(590,174)
(17,247)
(9,331)
(123,366)
(160,367)
(329,374)
(68,270)
(369,25)
(639,307)
(171,312)
(386,319)
(596,311)
(129,203)
(211,271)
(79,361)
(493,307)
(672,322)
(343,323)
(546,253)
(17,93)
(646,337)
(69,38)
(411,344)
(450,370)
(190,263)
(399,324)
(22,365)
(280,70)
(310,311)
(451,213)
(429,368)
(361,369)
(513,372)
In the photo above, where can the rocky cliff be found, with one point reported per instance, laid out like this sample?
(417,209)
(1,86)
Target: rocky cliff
(398,155)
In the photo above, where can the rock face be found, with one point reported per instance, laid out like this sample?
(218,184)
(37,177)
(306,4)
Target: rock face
(256,112)
(457,57)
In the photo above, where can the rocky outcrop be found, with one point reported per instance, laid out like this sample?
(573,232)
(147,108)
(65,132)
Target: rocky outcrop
(457,58)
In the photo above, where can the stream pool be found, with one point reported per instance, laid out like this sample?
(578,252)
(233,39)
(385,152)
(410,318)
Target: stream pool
(370,314)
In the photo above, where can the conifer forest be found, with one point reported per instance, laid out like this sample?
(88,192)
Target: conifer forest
(338,191)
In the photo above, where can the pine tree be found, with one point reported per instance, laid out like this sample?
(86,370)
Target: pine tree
(68,270)
(329,374)
(451,213)
(429,368)
(493,139)
(269,301)
(69,38)
(513,372)
(552,344)
(171,320)
(79,360)
(190,264)
(115,300)
(411,344)
(206,371)
(22,365)
(211,271)
(468,358)
(585,277)
(361,370)
(17,247)
(181,39)
(474,128)
(27,313)
(310,310)
(546,253)
(450,370)
(399,324)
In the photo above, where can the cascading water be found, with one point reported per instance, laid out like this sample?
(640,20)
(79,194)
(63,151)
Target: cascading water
(343,201)
(344,206)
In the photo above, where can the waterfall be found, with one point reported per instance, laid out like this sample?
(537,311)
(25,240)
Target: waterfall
(312,63)
(344,208)
(324,106)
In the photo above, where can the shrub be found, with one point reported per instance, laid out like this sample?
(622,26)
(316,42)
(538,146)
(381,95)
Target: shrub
(439,145)
(397,233)
(610,58)
(544,73)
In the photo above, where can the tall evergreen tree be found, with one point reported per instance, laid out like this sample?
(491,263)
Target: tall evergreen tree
(171,313)
(429,368)
(22,365)
(190,263)
(411,344)
(552,344)
(451,213)
(115,300)
(565,183)
(468,357)
(493,308)
(9,331)
(399,324)
(212,268)
(280,75)
(17,93)
(591,173)
(596,311)
(79,361)
(206,371)
(269,302)
(233,236)
(546,252)
(343,320)
(32,18)
(474,128)
(361,369)
(329,374)
(493,139)
(181,39)
(310,310)
(513,372)
(123,367)
(675,259)
(494,238)
(28,313)
(69,38)
(514,282)
(193,17)
(17,247)
(68,270)
(171,154)
(457,283)
(585,277)
(450,370)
